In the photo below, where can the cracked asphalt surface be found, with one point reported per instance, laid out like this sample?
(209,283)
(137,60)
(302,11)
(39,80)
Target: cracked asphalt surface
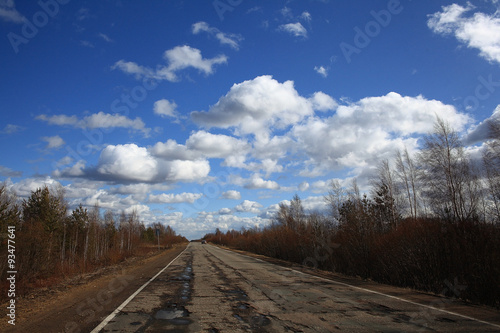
(208,289)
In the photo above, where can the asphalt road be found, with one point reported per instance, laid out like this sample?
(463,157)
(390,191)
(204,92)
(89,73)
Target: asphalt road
(208,289)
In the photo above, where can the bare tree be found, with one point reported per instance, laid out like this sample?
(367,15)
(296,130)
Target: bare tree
(353,192)
(491,160)
(123,221)
(406,172)
(385,191)
(449,181)
(9,210)
(335,198)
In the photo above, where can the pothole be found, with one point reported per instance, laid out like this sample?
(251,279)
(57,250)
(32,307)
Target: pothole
(171,314)
(242,306)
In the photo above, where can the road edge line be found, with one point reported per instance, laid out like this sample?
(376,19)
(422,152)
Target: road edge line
(400,299)
(131,297)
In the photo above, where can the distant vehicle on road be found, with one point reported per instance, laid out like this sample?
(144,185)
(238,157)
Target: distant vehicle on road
(203,242)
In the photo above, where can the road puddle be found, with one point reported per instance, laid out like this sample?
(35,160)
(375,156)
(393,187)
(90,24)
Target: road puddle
(171,314)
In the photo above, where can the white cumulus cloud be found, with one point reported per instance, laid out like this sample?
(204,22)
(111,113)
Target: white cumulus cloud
(321,70)
(256,182)
(361,133)
(178,58)
(295,29)
(53,142)
(480,31)
(165,108)
(248,206)
(232,195)
(202,144)
(129,163)
(254,106)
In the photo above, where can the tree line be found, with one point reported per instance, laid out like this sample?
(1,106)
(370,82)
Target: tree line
(52,243)
(430,221)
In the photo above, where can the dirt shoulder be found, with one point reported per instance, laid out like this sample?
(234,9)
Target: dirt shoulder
(428,300)
(81,304)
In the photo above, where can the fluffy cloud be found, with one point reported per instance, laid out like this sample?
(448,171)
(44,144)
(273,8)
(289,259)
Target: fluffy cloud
(253,106)
(231,195)
(481,132)
(306,16)
(480,31)
(304,186)
(321,70)
(53,142)
(174,198)
(106,120)
(165,108)
(187,171)
(132,68)
(24,187)
(130,163)
(256,182)
(322,102)
(77,170)
(60,120)
(216,145)
(231,40)
(361,133)
(97,120)
(224,211)
(9,13)
(178,58)
(295,29)
(248,206)
(171,150)
(202,144)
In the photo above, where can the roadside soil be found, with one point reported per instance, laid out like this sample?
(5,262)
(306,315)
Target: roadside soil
(80,304)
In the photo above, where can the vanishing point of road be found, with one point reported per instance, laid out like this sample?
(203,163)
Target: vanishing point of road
(209,289)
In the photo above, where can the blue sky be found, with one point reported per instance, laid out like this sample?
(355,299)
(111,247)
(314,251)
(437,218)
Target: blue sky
(205,114)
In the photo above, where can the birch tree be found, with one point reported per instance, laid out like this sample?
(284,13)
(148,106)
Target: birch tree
(449,181)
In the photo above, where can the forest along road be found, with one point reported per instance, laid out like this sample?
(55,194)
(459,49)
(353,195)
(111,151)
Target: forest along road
(208,289)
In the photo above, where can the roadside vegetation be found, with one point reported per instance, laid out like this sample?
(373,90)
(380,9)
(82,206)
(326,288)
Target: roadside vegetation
(52,244)
(430,222)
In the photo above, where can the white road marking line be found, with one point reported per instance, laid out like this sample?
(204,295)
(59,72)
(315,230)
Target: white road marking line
(124,304)
(374,292)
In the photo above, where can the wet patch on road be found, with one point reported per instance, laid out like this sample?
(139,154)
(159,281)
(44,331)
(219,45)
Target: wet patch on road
(171,291)
(173,316)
